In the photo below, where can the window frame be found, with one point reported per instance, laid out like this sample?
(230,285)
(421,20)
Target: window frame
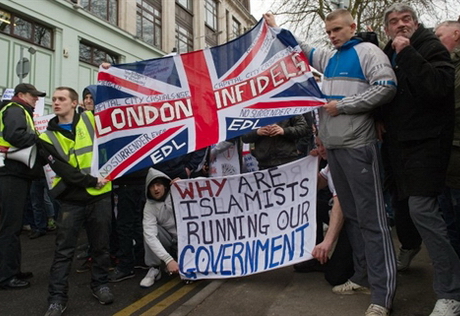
(207,5)
(87,5)
(115,58)
(188,6)
(181,35)
(157,21)
(35,25)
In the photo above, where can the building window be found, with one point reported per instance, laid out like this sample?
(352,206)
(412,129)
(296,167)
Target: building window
(236,28)
(26,29)
(149,21)
(187,4)
(184,27)
(95,55)
(105,9)
(184,39)
(211,14)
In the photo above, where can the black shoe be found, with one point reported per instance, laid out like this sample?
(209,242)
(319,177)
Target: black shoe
(55,309)
(114,261)
(35,234)
(103,295)
(118,276)
(24,275)
(15,284)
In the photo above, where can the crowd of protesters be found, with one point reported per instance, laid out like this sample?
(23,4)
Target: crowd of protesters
(394,109)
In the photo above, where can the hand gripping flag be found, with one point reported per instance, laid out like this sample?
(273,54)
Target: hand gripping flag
(158,109)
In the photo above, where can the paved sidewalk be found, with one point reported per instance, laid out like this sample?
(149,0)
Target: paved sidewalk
(285,292)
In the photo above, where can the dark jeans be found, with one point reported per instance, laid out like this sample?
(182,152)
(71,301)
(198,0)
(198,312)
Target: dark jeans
(408,234)
(13,196)
(97,219)
(130,206)
(449,202)
(37,199)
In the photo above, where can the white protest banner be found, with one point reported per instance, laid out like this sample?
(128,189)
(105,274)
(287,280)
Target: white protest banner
(8,94)
(39,109)
(41,123)
(245,224)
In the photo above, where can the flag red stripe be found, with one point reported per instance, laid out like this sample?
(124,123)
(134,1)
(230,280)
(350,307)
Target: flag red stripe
(250,56)
(142,151)
(202,97)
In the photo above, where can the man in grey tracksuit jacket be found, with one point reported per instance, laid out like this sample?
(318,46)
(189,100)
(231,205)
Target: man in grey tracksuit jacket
(357,79)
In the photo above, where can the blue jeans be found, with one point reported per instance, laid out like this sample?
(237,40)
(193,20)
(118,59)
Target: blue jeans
(97,219)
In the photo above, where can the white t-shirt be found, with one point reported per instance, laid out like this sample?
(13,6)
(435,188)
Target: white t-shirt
(326,174)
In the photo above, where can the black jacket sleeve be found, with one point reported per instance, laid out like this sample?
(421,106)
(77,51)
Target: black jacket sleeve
(70,175)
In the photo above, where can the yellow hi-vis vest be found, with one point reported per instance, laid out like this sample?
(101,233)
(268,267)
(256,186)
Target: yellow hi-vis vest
(30,123)
(78,153)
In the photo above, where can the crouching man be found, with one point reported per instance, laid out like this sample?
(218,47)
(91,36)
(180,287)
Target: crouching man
(85,199)
(160,231)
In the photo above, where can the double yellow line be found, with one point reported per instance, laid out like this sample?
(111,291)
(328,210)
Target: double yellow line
(162,305)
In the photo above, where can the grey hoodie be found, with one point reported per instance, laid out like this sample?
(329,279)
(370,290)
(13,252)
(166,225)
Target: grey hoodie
(158,213)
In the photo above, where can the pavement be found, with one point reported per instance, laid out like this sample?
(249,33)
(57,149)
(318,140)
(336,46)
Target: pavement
(277,292)
(285,292)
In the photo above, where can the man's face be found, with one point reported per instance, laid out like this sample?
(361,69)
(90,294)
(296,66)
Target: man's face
(157,190)
(449,36)
(88,102)
(63,105)
(340,31)
(30,99)
(400,24)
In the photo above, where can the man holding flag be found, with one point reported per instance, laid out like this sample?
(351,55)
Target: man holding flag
(85,199)
(357,79)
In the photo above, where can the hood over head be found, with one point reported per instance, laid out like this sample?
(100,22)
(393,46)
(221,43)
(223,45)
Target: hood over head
(90,89)
(153,175)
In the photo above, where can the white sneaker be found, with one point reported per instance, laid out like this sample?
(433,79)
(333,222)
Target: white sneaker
(405,257)
(377,310)
(350,288)
(152,275)
(446,307)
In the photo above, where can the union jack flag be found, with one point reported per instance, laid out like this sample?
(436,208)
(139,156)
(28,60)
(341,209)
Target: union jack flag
(158,109)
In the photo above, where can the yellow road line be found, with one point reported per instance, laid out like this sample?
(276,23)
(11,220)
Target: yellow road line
(148,298)
(177,295)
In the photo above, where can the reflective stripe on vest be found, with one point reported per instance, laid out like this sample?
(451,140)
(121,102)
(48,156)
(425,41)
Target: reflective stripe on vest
(30,123)
(78,153)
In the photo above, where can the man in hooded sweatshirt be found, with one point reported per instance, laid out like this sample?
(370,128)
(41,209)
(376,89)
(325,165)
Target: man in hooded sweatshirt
(160,231)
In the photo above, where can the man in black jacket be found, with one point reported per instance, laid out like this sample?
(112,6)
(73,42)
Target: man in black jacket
(276,144)
(16,130)
(419,127)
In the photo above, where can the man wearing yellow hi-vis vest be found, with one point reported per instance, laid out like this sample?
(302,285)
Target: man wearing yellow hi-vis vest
(85,199)
(16,130)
